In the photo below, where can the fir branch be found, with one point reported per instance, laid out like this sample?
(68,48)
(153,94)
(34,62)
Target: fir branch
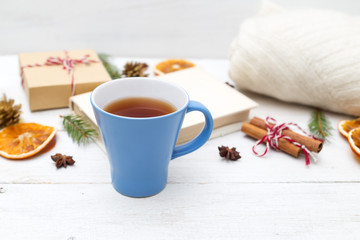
(110,68)
(78,129)
(319,125)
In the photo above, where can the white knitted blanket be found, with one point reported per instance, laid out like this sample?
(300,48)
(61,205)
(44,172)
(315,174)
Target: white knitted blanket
(310,57)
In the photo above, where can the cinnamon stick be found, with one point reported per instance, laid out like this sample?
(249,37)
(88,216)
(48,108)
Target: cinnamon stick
(312,144)
(257,133)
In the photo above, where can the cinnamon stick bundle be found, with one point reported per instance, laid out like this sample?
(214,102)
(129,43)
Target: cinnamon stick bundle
(312,144)
(258,133)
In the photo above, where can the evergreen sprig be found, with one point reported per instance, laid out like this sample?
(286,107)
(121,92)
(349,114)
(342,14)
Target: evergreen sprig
(319,125)
(110,68)
(78,129)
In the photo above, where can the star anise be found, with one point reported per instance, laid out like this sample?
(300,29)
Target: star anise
(229,153)
(62,160)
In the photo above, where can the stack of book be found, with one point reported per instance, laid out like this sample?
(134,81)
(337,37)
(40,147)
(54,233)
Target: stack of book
(227,105)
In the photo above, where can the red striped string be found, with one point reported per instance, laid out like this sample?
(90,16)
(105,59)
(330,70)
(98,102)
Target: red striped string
(67,62)
(275,133)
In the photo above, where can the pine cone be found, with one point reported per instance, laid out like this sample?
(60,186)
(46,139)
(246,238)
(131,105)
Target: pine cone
(135,69)
(9,113)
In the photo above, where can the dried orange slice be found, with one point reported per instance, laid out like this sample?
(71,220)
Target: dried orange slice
(172,65)
(354,140)
(345,126)
(23,140)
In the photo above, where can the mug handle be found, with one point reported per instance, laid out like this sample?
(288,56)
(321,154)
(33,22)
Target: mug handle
(201,139)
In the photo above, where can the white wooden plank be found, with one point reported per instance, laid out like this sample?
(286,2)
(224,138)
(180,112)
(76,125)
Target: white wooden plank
(90,166)
(181,211)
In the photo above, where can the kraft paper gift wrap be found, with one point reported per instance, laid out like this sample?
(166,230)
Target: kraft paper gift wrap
(50,86)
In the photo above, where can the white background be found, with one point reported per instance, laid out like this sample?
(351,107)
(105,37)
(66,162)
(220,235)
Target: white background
(274,197)
(155,28)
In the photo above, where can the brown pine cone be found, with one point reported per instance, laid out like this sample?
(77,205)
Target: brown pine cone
(135,69)
(9,113)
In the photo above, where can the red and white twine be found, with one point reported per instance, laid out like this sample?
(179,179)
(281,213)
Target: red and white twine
(275,133)
(67,63)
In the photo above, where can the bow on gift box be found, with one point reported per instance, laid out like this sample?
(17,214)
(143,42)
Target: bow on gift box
(67,62)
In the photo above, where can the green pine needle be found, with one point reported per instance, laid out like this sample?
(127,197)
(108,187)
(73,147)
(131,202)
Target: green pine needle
(78,129)
(110,68)
(320,125)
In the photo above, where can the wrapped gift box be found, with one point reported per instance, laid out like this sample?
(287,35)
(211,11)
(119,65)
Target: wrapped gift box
(50,86)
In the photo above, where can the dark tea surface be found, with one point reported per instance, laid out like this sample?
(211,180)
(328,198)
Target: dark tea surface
(139,107)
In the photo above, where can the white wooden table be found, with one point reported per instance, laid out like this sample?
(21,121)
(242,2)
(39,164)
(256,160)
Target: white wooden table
(274,197)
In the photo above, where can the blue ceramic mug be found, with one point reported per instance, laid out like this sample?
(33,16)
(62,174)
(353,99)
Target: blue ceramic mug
(140,149)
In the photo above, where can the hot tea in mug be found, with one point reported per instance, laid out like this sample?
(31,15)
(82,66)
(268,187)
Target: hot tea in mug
(139,121)
(139,107)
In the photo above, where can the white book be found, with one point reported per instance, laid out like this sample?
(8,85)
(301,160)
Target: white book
(227,105)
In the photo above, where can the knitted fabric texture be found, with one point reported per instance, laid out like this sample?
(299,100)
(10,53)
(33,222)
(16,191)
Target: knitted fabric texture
(303,56)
